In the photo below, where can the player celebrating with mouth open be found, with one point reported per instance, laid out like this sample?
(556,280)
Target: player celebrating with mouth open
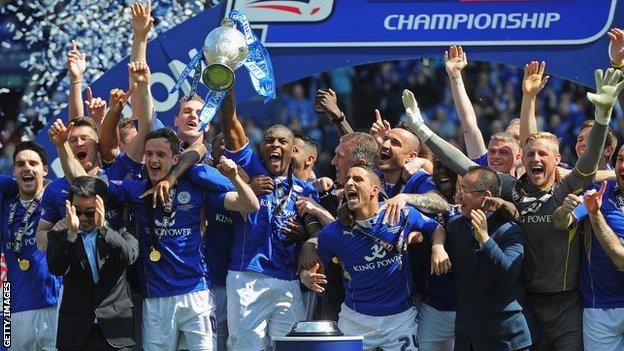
(378,280)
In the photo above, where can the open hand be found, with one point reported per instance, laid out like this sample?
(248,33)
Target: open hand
(312,279)
(142,21)
(534,80)
(455,60)
(616,46)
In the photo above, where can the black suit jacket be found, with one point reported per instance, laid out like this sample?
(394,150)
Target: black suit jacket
(84,300)
(490,297)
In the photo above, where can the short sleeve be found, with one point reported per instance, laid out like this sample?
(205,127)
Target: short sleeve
(118,192)
(216,199)
(421,223)
(481,160)
(122,166)
(8,187)
(580,213)
(420,183)
(248,160)
(209,178)
(49,205)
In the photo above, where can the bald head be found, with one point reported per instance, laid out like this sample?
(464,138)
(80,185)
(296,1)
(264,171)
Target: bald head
(410,140)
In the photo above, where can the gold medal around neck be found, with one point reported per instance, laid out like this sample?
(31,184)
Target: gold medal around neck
(154,255)
(24,265)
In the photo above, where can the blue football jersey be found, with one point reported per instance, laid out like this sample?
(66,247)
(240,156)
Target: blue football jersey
(377,277)
(259,244)
(181,267)
(601,283)
(35,287)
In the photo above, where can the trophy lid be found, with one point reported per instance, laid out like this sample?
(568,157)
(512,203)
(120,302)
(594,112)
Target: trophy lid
(315,328)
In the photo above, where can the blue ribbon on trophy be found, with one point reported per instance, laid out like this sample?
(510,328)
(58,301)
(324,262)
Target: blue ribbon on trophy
(226,48)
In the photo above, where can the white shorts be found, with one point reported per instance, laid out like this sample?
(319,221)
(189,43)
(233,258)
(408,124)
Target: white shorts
(603,328)
(435,329)
(219,296)
(179,322)
(34,330)
(394,332)
(257,304)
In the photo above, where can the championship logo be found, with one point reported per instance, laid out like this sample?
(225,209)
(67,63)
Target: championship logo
(266,11)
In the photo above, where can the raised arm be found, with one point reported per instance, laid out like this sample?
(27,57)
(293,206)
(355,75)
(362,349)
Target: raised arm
(142,23)
(608,87)
(455,60)
(616,54)
(108,138)
(120,246)
(242,200)
(448,154)
(59,242)
(234,135)
(96,107)
(140,75)
(76,66)
(532,83)
(58,134)
(325,102)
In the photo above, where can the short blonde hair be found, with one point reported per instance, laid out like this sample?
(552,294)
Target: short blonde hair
(554,141)
(506,137)
(185,99)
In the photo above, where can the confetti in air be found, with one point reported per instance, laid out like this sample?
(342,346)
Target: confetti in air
(101,27)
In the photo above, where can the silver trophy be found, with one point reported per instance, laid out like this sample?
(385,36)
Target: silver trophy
(225,50)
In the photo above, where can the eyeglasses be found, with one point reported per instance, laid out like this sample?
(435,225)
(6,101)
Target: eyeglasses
(462,191)
(88,214)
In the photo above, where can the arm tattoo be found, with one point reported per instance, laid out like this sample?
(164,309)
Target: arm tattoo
(430,202)
(187,160)
(608,240)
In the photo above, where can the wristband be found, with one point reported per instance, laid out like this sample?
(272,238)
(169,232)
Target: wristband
(76,81)
(339,119)
(620,66)
(424,133)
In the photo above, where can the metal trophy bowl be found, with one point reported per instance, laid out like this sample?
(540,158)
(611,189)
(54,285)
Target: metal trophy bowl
(225,50)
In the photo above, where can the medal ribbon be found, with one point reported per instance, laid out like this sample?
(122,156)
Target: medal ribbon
(397,248)
(16,241)
(167,211)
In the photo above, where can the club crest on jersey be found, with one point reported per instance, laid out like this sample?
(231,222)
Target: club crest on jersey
(184,197)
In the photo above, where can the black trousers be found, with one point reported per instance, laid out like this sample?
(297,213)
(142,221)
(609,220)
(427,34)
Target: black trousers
(97,342)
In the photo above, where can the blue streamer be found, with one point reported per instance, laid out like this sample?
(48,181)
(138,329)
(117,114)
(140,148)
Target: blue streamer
(196,75)
(189,67)
(213,101)
(258,62)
